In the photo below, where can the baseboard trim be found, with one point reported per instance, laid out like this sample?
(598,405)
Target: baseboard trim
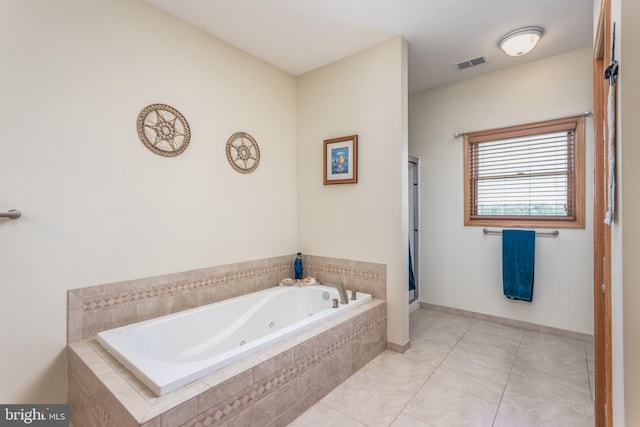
(509,322)
(397,347)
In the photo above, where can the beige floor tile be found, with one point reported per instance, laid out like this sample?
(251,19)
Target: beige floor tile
(440,405)
(590,355)
(522,411)
(503,337)
(405,420)
(590,351)
(415,329)
(444,335)
(418,320)
(592,385)
(397,371)
(444,328)
(420,315)
(442,332)
(369,401)
(549,390)
(565,366)
(487,341)
(463,364)
(485,383)
(440,317)
(537,342)
(428,352)
(323,415)
(483,355)
(492,328)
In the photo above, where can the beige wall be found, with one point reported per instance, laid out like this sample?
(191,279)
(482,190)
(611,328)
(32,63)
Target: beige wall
(625,230)
(97,205)
(617,302)
(626,238)
(460,267)
(365,94)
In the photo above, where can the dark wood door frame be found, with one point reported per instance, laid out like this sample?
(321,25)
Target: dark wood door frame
(601,231)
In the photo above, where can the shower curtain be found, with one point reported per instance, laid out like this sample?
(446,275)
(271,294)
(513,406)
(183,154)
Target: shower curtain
(412,280)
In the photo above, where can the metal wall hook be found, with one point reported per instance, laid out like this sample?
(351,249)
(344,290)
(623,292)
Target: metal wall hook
(12,214)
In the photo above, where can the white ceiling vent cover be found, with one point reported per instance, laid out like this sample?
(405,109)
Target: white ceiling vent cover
(470,63)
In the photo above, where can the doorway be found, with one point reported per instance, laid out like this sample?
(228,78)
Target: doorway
(601,231)
(414,236)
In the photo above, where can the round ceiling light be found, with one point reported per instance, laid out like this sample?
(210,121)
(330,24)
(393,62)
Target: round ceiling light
(520,41)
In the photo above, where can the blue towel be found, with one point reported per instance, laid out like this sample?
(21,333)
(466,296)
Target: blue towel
(518,254)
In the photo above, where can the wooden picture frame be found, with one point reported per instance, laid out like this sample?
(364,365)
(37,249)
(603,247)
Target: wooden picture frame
(340,160)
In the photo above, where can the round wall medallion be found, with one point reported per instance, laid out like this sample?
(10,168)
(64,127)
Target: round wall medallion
(163,130)
(243,152)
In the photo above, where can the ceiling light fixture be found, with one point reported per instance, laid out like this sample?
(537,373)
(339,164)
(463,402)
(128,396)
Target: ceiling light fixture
(520,41)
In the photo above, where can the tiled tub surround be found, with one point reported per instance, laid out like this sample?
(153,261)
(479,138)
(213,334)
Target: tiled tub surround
(270,388)
(364,276)
(98,308)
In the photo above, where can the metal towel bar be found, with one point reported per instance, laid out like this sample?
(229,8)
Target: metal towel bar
(12,214)
(538,233)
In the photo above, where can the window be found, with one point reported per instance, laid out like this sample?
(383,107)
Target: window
(528,176)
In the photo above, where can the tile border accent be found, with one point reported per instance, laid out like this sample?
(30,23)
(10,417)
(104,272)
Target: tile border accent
(362,276)
(96,308)
(171,289)
(511,322)
(89,398)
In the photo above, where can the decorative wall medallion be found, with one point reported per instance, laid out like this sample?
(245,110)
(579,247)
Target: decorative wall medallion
(243,152)
(163,130)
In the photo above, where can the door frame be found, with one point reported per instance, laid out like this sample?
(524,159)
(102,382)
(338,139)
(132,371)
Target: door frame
(414,228)
(601,231)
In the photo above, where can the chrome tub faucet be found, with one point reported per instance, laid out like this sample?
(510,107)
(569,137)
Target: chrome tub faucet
(344,299)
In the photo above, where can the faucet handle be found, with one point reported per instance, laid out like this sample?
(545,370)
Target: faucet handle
(335,303)
(353,295)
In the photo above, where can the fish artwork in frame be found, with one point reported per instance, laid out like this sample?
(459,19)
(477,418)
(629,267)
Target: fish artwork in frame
(341,160)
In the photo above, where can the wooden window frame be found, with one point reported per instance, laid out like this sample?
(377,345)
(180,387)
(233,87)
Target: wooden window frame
(577,221)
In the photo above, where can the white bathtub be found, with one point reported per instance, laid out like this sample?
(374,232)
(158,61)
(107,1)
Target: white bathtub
(168,352)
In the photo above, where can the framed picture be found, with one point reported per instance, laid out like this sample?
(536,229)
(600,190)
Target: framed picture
(341,160)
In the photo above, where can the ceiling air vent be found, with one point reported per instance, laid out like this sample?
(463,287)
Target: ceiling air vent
(470,63)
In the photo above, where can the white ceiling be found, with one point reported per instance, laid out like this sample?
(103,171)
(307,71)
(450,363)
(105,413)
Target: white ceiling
(301,35)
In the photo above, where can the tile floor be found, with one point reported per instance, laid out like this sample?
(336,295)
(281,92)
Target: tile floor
(461,371)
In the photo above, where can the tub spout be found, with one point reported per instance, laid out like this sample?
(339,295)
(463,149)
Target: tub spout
(341,290)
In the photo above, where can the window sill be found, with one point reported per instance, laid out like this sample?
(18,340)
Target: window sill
(526,223)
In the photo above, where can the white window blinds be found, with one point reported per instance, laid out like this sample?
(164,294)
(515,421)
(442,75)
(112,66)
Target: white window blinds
(527,172)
